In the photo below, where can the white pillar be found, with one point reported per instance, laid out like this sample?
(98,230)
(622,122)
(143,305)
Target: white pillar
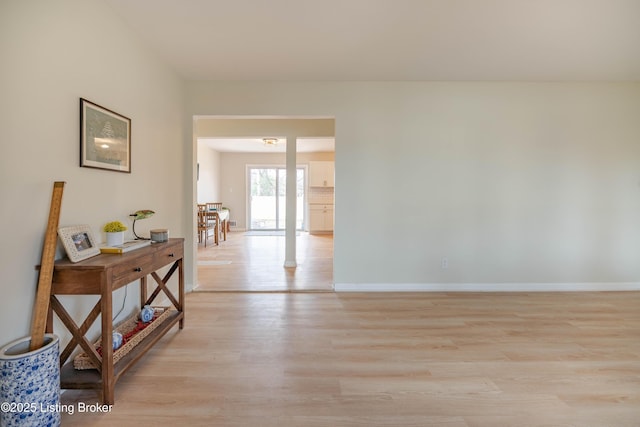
(290,226)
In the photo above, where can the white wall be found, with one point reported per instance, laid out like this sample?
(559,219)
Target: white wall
(53,53)
(512,182)
(209,180)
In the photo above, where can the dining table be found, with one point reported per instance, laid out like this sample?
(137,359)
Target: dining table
(220,216)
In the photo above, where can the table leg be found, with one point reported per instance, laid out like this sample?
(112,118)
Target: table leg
(143,289)
(49,328)
(224,229)
(181,290)
(108,382)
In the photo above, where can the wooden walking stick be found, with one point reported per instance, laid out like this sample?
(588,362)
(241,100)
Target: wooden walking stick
(41,307)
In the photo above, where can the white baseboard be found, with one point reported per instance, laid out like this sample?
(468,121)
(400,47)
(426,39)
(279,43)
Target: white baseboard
(486,287)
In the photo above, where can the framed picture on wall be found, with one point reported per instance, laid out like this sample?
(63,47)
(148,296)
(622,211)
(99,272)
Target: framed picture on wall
(105,138)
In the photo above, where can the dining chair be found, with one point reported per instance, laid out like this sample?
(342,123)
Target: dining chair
(204,224)
(214,206)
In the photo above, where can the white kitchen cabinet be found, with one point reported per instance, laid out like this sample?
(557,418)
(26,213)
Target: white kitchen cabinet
(321,174)
(320,218)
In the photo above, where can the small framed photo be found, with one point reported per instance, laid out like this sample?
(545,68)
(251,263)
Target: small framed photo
(105,138)
(78,242)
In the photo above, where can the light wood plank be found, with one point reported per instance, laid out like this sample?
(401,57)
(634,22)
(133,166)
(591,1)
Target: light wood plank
(256,264)
(324,359)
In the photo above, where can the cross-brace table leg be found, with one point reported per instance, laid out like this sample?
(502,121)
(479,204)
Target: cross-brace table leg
(77,332)
(162,286)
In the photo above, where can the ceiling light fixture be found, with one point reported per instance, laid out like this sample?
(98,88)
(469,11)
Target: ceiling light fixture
(270,141)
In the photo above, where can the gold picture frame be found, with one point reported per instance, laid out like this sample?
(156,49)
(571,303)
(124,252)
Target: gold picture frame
(105,138)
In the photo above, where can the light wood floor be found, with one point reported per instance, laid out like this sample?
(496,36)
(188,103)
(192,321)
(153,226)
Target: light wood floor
(255,263)
(430,359)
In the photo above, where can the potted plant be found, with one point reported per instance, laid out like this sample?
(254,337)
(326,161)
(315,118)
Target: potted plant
(115,233)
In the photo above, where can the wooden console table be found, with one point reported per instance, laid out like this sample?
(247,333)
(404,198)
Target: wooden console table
(101,275)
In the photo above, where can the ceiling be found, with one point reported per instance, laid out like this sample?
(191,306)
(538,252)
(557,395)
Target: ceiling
(257,145)
(391,40)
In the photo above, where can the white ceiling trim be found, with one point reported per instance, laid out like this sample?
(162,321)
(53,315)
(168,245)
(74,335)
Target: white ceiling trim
(261,117)
(256,145)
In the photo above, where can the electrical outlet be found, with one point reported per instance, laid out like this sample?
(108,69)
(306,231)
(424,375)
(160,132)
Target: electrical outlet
(445,263)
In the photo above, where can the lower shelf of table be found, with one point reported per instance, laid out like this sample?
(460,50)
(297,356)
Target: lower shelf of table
(71,378)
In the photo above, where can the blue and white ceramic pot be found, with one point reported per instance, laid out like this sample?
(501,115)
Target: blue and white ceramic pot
(30,384)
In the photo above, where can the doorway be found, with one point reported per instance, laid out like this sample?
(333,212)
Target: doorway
(267,197)
(251,259)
